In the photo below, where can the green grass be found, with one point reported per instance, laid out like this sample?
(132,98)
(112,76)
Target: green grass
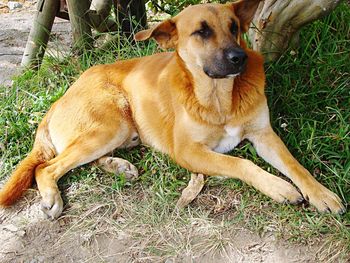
(309,98)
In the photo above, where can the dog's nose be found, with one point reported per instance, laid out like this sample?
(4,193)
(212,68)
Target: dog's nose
(236,56)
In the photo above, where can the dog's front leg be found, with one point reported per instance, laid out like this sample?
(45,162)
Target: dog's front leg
(270,147)
(198,158)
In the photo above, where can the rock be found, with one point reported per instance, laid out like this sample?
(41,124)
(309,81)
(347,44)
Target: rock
(21,233)
(41,259)
(4,9)
(14,229)
(14,5)
(10,227)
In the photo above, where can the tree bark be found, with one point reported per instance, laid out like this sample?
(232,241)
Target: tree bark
(277,21)
(131,15)
(40,33)
(79,18)
(99,16)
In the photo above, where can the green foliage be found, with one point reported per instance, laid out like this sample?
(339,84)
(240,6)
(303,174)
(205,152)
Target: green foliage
(172,7)
(309,92)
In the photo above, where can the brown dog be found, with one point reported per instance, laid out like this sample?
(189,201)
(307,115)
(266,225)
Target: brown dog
(194,104)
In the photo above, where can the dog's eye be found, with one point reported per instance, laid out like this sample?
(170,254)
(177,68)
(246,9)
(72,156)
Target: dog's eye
(234,28)
(204,32)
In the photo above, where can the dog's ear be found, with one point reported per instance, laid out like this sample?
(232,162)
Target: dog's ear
(164,33)
(245,10)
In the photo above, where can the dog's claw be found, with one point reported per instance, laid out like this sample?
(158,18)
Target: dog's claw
(325,200)
(342,211)
(45,206)
(52,204)
(283,192)
(299,200)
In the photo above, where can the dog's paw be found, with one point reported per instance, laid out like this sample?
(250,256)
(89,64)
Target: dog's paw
(118,165)
(284,192)
(52,203)
(324,200)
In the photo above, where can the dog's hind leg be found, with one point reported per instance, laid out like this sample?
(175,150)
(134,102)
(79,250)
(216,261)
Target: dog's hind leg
(118,165)
(88,147)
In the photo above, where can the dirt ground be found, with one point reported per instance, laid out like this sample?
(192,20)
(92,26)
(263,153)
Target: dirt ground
(15,27)
(26,236)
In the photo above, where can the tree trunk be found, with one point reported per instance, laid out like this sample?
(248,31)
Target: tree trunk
(131,15)
(277,21)
(98,15)
(40,33)
(79,18)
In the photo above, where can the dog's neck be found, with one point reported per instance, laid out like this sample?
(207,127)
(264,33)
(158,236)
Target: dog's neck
(217,101)
(210,99)
(212,93)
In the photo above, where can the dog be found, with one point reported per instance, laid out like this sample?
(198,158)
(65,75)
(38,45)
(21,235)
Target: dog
(194,104)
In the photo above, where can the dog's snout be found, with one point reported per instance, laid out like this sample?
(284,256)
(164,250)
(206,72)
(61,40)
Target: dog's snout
(236,56)
(228,62)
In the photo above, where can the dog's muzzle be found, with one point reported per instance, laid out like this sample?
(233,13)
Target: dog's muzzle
(230,63)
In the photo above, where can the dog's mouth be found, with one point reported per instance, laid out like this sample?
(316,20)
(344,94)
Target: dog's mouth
(217,75)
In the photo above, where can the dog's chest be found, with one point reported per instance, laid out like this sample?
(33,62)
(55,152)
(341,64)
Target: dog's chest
(230,139)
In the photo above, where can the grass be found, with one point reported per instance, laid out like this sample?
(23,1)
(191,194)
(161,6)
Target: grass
(309,98)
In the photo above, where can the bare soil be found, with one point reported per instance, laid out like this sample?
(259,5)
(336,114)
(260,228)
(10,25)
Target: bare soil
(27,236)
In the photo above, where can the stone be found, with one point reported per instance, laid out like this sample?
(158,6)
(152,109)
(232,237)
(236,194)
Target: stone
(14,5)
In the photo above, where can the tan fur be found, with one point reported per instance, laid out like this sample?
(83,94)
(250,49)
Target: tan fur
(176,108)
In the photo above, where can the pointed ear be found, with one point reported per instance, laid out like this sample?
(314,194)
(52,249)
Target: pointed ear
(245,10)
(164,33)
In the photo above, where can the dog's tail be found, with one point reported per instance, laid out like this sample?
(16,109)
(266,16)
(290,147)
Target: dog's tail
(22,178)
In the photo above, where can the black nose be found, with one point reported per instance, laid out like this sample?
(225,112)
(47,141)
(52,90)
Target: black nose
(236,56)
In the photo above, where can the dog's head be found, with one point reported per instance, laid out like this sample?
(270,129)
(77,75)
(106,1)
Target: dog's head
(207,36)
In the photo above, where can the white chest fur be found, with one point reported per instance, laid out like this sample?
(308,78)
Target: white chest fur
(229,141)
